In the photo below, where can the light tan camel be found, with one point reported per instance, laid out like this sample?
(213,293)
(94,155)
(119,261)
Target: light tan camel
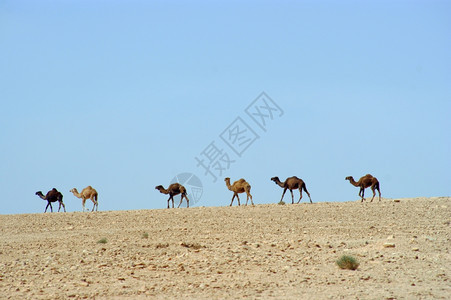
(173,190)
(292,183)
(87,193)
(366,181)
(239,186)
(52,196)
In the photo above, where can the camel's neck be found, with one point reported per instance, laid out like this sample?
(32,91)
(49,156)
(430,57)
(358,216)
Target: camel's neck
(228,184)
(76,194)
(164,191)
(352,181)
(279,183)
(41,196)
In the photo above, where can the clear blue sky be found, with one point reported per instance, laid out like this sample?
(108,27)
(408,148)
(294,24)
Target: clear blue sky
(124,95)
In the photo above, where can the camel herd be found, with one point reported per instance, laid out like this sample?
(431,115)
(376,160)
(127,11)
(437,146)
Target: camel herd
(291,183)
(238,187)
(53,196)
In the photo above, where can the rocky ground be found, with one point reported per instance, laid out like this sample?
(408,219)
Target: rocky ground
(267,251)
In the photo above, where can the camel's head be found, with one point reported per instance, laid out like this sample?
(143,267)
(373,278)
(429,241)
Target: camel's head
(159,187)
(348,178)
(275,179)
(226,179)
(74,190)
(39,193)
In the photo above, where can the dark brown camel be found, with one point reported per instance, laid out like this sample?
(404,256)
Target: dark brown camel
(239,186)
(292,183)
(366,181)
(52,196)
(173,190)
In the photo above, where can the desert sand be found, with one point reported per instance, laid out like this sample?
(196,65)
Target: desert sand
(259,252)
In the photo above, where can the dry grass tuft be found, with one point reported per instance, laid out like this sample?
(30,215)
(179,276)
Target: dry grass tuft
(348,262)
(102,241)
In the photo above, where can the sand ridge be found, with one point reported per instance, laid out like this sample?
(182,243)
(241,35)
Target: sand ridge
(261,252)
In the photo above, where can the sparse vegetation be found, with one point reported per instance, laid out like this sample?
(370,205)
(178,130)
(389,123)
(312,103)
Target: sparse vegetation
(145,235)
(281,202)
(348,262)
(102,241)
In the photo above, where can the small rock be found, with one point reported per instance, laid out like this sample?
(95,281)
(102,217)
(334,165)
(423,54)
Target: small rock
(415,249)
(389,245)
(396,200)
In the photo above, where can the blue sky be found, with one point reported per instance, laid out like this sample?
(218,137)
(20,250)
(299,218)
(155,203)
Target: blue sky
(124,95)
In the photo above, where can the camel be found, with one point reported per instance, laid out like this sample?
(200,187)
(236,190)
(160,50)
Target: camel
(366,181)
(239,186)
(52,196)
(292,183)
(87,193)
(173,190)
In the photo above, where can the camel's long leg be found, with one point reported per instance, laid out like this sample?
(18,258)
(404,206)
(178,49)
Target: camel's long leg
(95,204)
(238,198)
(181,200)
(61,203)
(187,201)
(283,194)
(83,201)
(362,192)
(49,204)
(170,197)
(292,196)
(232,200)
(308,194)
(300,194)
(374,193)
(378,189)
(249,195)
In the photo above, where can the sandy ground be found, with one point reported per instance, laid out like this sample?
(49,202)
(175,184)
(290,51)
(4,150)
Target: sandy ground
(261,252)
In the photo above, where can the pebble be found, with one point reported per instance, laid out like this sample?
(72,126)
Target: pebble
(389,245)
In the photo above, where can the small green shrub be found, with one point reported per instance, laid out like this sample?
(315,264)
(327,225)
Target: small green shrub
(102,241)
(348,262)
(145,235)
